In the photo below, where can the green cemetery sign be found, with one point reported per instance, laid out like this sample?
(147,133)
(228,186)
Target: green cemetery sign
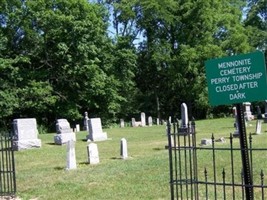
(236,79)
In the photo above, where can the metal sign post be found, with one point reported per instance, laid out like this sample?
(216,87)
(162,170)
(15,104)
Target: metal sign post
(244,152)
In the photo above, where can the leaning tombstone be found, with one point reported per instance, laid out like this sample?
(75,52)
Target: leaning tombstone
(122,123)
(92,152)
(25,134)
(71,156)
(150,121)
(95,130)
(64,132)
(143,119)
(124,150)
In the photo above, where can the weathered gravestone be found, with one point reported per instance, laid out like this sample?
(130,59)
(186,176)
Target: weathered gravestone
(133,122)
(157,121)
(71,156)
(184,116)
(124,150)
(143,119)
(95,130)
(206,141)
(150,121)
(25,134)
(85,122)
(247,113)
(184,126)
(78,128)
(64,132)
(258,127)
(122,123)
(92,151)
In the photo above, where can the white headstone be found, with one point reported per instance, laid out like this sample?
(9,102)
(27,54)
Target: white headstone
(133,122)
(258,127)
(247,113)
(206,141)
(157,121)
(78,128)
(143,119)
(150,121)
(184,115)
(25,134)
(122,123)
(64,132)
(95,130)
(170,119)
(85,122)
(124,150)
(93,156)
(71,156)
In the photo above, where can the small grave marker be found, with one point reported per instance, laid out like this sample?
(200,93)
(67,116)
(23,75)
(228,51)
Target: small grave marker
(71,156)
(124,150)
(92,151)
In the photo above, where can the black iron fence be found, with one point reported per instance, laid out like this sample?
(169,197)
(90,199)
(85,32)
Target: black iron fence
(213,170)
(7,166)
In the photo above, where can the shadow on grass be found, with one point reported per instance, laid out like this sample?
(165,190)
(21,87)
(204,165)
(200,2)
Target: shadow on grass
(84,163)
(158,149)
(116,158)
(59,168)
(52,143)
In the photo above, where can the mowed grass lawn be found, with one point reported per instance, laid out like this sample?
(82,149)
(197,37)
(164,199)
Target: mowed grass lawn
(41,172)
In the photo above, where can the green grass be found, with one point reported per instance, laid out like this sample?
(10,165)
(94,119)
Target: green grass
(41,172)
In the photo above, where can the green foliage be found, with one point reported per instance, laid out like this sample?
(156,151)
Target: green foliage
(57,60)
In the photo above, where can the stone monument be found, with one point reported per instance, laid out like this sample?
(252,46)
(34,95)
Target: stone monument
(25,134)
(95,130)
(85,122)
(64,132)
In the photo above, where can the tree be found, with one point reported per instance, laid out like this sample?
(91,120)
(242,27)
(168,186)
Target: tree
(64,50)
(256,23)
(178,37)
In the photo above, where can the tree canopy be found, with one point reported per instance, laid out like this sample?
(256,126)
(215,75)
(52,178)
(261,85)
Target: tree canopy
(58,58)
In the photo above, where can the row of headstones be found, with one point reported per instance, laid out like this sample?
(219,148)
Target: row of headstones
(92,152)
(248,117)
(142,123)
(25,133)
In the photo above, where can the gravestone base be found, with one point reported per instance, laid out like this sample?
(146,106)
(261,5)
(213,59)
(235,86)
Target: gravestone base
(64,138)
(97,136)
(26,144)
